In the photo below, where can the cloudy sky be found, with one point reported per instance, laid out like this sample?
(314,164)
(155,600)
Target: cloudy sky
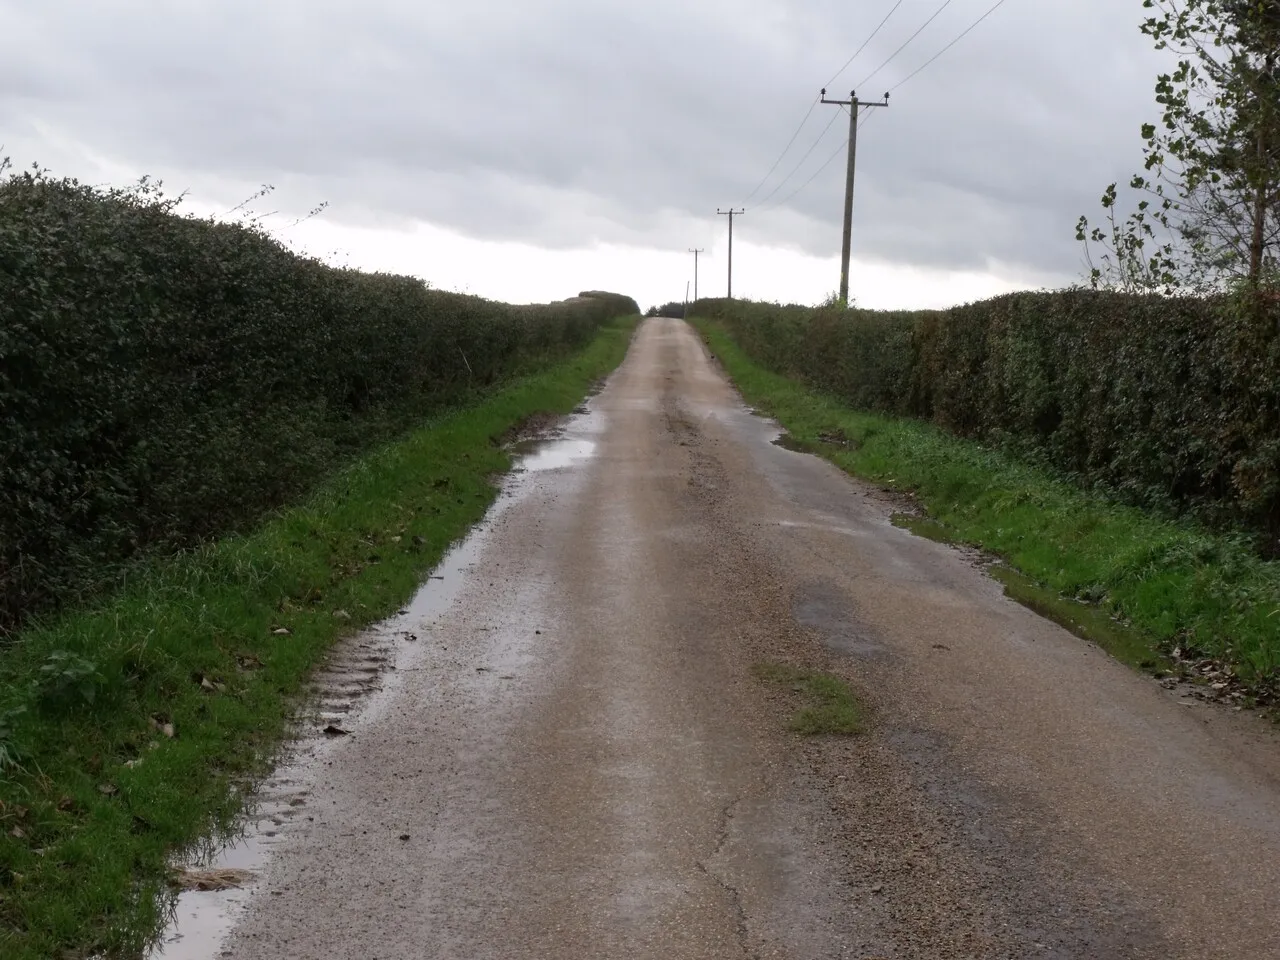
(526,149)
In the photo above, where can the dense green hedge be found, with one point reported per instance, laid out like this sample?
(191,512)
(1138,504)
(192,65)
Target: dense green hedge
(1170,401)
(163,378)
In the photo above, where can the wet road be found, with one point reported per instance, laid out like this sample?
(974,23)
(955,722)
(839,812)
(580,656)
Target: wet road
(573,760)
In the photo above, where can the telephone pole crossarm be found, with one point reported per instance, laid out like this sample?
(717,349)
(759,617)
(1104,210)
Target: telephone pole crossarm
(854,105)
(853,99)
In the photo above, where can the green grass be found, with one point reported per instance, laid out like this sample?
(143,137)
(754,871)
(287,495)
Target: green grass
(1173,583)
(94,795)
(1086,620)
(829,706)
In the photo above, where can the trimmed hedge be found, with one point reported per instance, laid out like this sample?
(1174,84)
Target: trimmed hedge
(165,379)
(1167,401)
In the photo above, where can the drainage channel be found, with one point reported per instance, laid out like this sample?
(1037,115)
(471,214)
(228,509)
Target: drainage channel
(356,682)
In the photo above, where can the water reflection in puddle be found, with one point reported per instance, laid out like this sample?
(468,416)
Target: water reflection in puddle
(203,918)
(556,454)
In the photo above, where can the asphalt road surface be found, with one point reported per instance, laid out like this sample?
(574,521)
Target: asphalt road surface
(574,759)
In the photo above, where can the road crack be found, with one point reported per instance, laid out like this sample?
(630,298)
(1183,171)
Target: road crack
(733,893)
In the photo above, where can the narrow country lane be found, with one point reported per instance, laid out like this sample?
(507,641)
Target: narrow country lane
(573,759)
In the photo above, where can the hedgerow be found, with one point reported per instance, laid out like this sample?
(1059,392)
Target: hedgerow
(1170,402)
(165,379)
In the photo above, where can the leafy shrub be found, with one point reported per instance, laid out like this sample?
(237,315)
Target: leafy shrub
(1169,401)
(672,309)
(164,379)
(68,677)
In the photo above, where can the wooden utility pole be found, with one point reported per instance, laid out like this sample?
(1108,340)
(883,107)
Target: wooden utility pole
(695,253)
(730,213)
(853,103)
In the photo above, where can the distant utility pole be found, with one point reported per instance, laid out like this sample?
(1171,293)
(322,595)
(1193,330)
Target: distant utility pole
(853,103)
(686,300)
(730,213)
(695,271)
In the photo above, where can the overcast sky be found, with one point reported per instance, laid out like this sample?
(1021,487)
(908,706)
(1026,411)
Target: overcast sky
(525,149)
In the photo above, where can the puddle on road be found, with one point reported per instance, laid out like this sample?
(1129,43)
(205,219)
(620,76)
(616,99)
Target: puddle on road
(202,919)
(567,446)
(355,683)
(556,454)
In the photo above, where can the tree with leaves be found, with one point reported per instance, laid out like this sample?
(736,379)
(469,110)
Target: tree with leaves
(1208,213)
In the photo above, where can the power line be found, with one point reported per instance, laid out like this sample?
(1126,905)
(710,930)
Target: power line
(814,103)
(867,116)
(805,120)
(936,14)
(779,185)
(874,34)
(830,160)
(973,26)
(840,148)
(764,204)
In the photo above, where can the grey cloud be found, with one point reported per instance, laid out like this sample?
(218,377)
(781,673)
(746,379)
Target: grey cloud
(564,122)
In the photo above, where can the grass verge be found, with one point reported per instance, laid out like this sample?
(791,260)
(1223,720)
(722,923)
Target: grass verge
(829,705)
(1170,584)
(127,729)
